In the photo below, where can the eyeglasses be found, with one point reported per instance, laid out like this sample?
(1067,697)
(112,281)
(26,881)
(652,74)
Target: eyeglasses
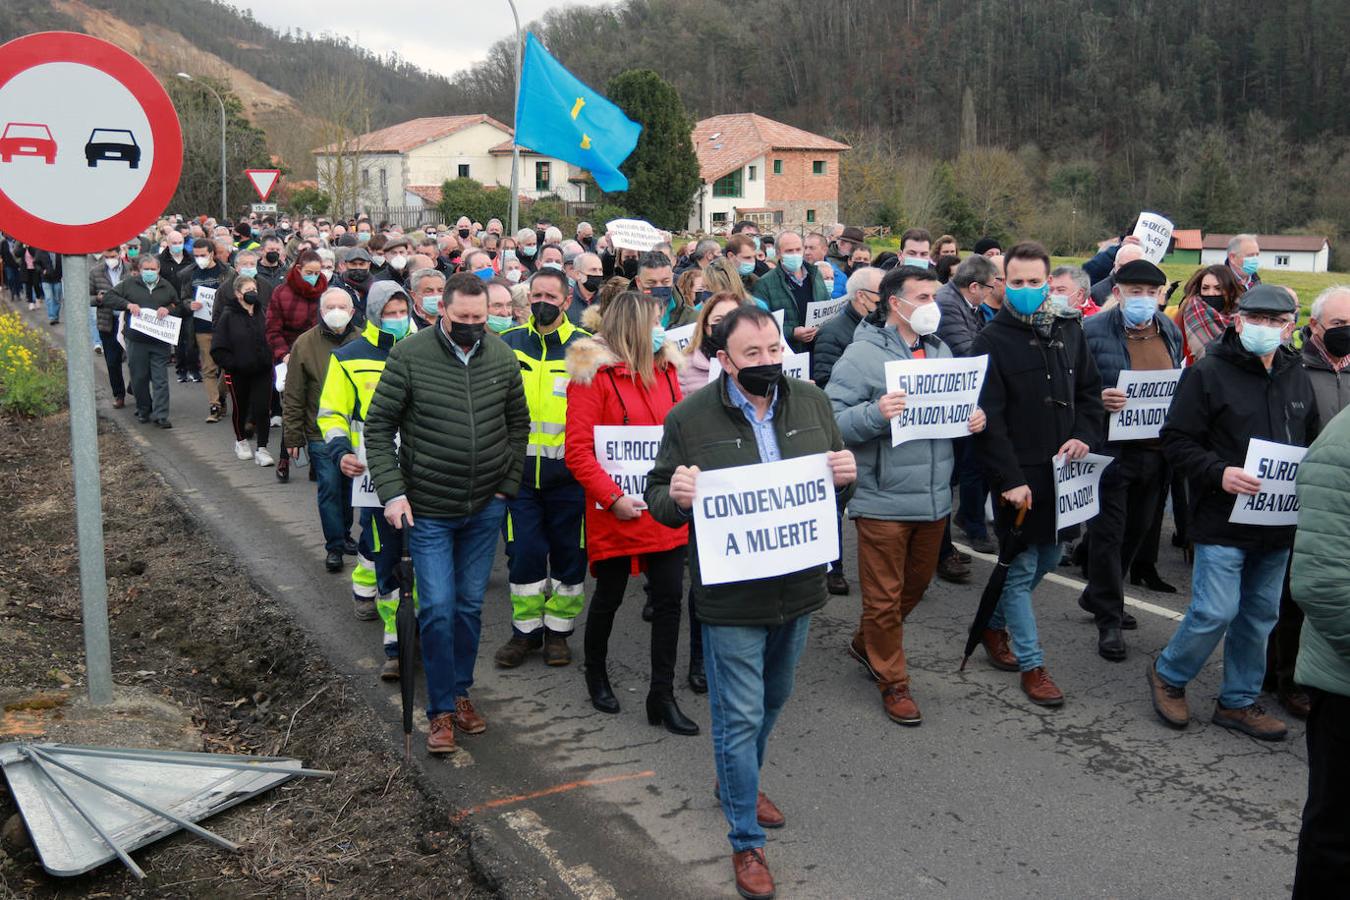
(1260,319)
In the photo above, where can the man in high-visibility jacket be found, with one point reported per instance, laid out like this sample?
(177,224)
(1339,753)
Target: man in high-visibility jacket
(545,531)
(353,373)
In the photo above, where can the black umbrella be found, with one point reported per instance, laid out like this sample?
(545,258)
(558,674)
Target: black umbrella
(405,626)
(1009,546)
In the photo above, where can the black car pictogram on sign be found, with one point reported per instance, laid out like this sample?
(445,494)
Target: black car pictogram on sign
(112,144)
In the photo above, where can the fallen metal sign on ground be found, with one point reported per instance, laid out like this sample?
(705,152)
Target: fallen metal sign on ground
(85,806)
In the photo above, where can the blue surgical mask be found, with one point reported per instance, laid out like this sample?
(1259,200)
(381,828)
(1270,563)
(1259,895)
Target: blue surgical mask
(310,279)
(362,236)
(658,338)
(920,261)
(397,327)
(1138,310)
(1026,300)
(1059,304)
(431,304)
(248,271)
(150,276)
(500,323)
(527,251)
(1251,265)
(485,273)
(1261,339)
(756,238)
(745,268)
(792,261)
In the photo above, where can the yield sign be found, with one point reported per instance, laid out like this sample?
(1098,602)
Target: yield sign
(263,181)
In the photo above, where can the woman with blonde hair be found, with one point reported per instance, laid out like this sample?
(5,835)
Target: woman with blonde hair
(705,343)
(628,375)
(721,275)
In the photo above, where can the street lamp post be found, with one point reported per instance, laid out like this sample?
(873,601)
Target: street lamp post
(224,203)
(515,148)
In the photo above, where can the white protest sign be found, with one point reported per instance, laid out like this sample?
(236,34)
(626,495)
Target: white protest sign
(147,321)
(1277,467)
(764,520)
(363,485)
(1078,488)
(818,312)
(206,296)
(627,453)
(633,234)
(1155,233)
(941,396)
(795,365)
(1148,395)
(681,336)
(281,377)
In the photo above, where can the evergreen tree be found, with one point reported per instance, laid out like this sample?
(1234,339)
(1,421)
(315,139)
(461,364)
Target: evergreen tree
(663,170)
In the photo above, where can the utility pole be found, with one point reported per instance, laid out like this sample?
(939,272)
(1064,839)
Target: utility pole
(515,148)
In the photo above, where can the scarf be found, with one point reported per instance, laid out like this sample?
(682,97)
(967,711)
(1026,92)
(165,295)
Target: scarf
(1337,363)
(1041,320)
(303,288)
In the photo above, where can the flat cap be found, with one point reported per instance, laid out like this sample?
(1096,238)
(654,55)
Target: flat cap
(1267,298)
(358,254)
(1140,271)
(853,233)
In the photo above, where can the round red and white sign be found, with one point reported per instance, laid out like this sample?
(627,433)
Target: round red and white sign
(90,148)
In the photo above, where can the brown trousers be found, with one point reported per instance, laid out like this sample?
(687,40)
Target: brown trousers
(896,561)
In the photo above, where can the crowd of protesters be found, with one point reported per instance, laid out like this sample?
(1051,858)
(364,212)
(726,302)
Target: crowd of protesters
(461,372)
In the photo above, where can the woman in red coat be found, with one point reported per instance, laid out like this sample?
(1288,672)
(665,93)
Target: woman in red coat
(627,376)
(293,310)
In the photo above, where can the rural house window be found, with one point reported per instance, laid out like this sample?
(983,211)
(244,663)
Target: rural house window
(817,167)
(365,178)
(810,215)
(753,172)
(728,185)
(541,176)
(719,218)
(778,167)
(463,170)
(1281,260)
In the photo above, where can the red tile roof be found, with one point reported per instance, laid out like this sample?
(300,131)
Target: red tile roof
(430,193)
(727,142)
(1296,243)
(414,133)
(1187,239)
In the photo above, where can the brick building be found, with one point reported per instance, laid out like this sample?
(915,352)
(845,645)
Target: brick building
(758,169)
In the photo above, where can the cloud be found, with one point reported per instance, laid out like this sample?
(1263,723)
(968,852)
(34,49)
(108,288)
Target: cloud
(439,37)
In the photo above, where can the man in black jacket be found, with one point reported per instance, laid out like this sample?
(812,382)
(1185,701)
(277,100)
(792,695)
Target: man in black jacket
(835,335)
(1042,397)
(1248,386)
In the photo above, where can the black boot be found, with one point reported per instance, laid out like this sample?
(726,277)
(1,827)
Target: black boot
(663,710)
(602,695)
(698,679)
(1148,577)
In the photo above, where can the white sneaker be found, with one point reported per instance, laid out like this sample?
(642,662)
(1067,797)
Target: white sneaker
(262,457)
(242,450)
(276,421)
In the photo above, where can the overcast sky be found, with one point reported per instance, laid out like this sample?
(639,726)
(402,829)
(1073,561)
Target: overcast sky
(439,36)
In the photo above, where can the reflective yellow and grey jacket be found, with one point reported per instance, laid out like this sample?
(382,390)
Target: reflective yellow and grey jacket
(353,373)
(543,372)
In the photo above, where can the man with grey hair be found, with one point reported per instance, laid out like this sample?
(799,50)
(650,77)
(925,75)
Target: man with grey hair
(1244,260)
(588,275)
(790,287)
(836,334)
(586,236)
(816,249)
(705,251)
(1071,288)
(1101,291)
(426,287)
(960,299)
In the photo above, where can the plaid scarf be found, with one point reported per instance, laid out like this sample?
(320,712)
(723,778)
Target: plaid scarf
(1337,363)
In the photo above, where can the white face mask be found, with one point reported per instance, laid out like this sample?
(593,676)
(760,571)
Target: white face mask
(337,319)
(377,259)
(925,319)
(111,263)
(203,262)
(513,275)
(398,262)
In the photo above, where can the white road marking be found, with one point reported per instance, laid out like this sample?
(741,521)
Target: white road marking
(1077,585)
(581,880)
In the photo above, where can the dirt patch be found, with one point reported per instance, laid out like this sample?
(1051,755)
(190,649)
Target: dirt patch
(191,632)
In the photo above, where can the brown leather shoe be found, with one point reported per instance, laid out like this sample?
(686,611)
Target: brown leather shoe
(900,706)
(1253,720)
(1168,702)
(952,568)
(858,652)
(1040,689)
(767,813)
(753,880)
(1296,703)
(119,402)
(466,718)
(996,646)
(390,670)
(442,737)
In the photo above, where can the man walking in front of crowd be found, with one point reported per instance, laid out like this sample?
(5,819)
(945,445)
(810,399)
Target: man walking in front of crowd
(903,493)
(453,393)
(344,406)
(754,630)
(306,374)
(1131,336)
(545,544)
(1042,396)
(1248,386)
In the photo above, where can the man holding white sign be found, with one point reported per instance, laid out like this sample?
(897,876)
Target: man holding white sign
(1248,387)
(199,286)
(754,630)
(148,356)
(1129,342)
(904,493)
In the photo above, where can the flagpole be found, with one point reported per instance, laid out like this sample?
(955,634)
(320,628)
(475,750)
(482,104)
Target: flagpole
(515,148)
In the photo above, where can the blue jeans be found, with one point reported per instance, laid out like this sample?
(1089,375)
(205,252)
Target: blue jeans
(51,290)
(335,497)
(750,672)
(452,559)
(1234,591)
(1014,610)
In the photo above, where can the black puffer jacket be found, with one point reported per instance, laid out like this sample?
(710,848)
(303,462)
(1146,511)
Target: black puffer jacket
(1222,402)
(832,340)
(239,342)
(463,427)
(1038,393)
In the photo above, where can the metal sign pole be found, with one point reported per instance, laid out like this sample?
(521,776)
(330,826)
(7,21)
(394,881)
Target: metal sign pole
(515,148)
(88,494)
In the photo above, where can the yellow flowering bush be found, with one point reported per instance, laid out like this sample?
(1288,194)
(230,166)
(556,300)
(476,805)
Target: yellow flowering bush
(32,374)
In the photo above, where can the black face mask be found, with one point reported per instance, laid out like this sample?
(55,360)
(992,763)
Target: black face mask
(465,334)
(1337,340)
(630,268)
(249,297)
(356,276)
(1214,300)
(711,343)
(593,283)
(701,297)
(545,314)
(539,233)
(464,232)
(759,380)
(272,257)
(491,254)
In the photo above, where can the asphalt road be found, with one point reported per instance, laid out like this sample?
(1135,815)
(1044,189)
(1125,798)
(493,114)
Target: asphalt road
(991,796)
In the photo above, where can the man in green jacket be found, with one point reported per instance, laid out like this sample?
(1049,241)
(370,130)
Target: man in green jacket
(791,286)
(1320,583)
(453,394)
(753,630)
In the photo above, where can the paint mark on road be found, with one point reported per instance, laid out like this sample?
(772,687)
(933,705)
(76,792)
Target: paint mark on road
(548,792)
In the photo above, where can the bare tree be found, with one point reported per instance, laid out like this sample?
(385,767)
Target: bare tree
(341,109)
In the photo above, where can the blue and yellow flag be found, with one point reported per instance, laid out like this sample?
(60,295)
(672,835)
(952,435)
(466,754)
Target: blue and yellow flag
(557,115)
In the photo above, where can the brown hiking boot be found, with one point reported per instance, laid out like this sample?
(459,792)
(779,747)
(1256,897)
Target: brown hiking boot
(514,651)
(556,651)
(1253,720)
(767,813)
(1295,702)
(753,880)
(442,736)
(467,718)
(1040,688)
(1168,702)
(900,706)
(952,568)
(1000,654)
(390,670)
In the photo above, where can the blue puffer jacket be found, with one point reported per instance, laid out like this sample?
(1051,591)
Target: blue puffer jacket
(1105,333)
(908,483)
